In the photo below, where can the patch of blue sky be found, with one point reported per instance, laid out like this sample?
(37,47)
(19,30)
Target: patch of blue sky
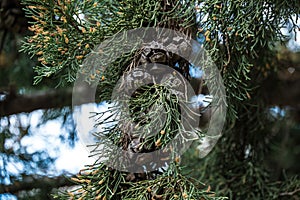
(86,119)
(293,43)
(46,138)
(201,100)
(6,196)
(277,111)
(195,72)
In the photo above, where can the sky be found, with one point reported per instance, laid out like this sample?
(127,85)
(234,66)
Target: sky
(46,137)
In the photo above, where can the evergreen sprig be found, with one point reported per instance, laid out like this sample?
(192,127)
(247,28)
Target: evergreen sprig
(239,36)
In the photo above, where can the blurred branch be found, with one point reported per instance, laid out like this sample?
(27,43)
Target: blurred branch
(33,182)
(290,193)
(14,104)
(277,92)
(28,103)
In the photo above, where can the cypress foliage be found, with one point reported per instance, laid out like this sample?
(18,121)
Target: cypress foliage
(239,36)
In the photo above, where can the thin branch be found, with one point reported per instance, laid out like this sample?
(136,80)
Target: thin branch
(290,193)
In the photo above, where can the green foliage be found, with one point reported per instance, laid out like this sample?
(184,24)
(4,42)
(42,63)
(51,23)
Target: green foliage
(62,39)
(240,37)
(101,182)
